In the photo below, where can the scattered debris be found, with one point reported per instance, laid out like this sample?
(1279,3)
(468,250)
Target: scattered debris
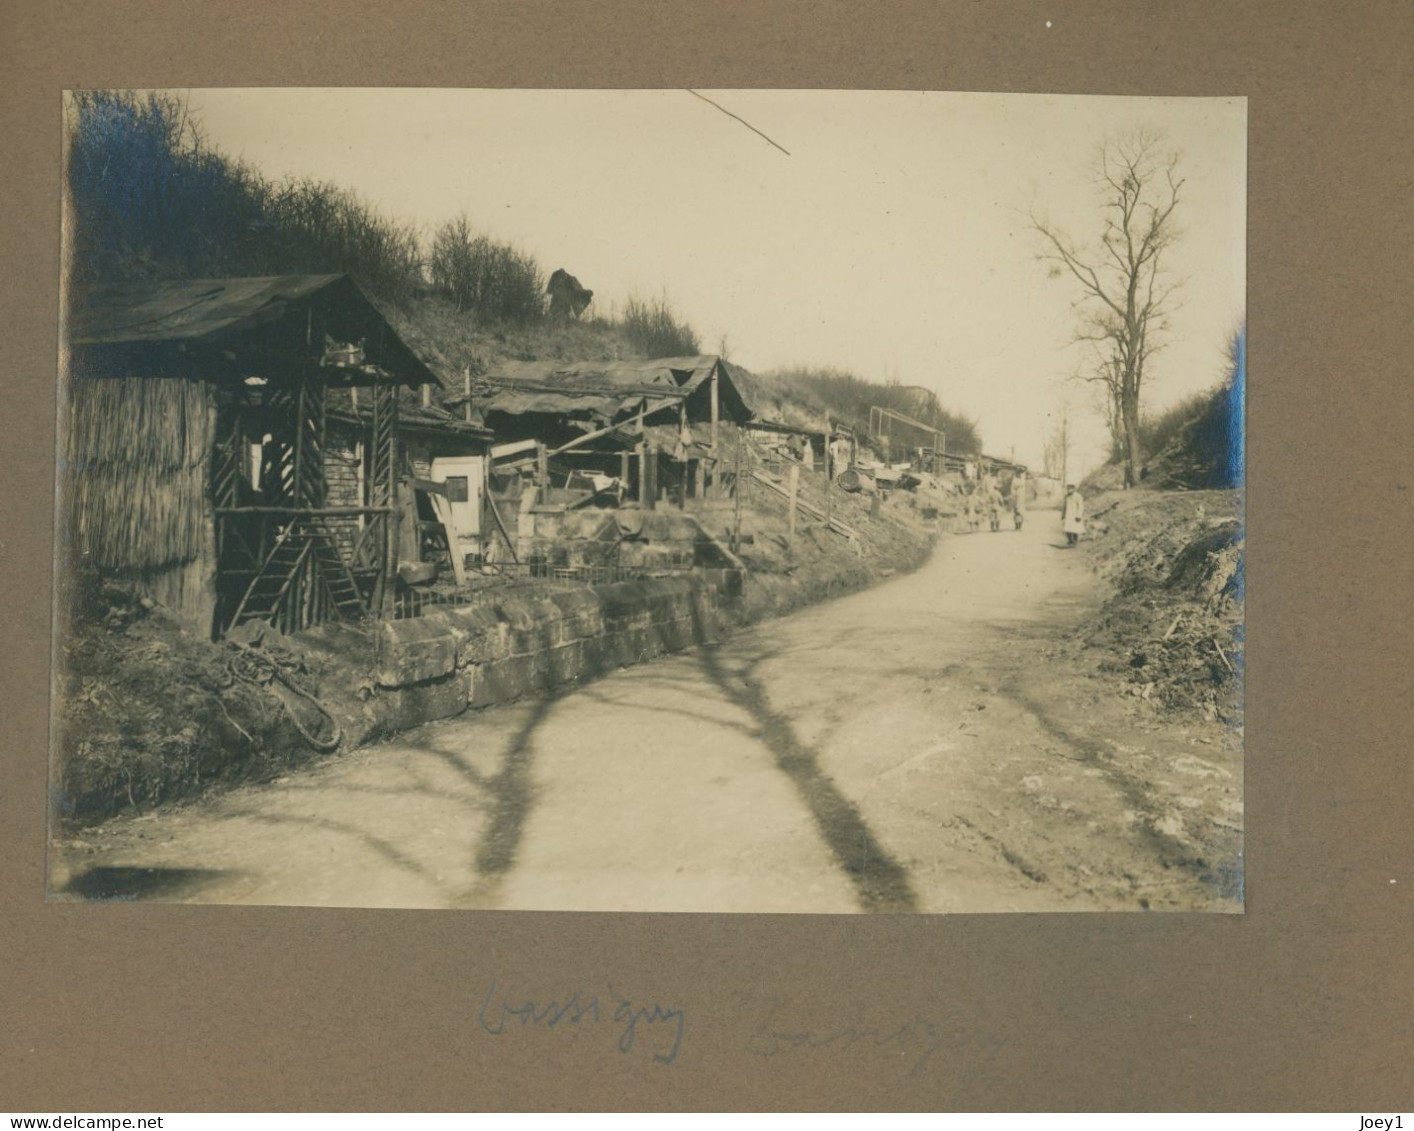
(1174,625)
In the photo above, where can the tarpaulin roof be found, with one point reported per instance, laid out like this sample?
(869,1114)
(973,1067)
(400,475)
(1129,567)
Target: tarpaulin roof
(607,390)
(191,310)
(516,402)
(417,418)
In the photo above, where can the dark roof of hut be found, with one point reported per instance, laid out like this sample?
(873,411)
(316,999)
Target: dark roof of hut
(428,420)
(607,390)
(221,310)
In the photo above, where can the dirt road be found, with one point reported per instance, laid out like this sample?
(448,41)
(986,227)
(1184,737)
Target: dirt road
(936,744)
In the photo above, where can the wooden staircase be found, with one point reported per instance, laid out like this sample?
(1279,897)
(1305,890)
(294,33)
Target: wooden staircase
(303,581)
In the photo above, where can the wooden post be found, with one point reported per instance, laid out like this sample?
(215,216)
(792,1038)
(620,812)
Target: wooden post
(794,487)
(643,486)
(296,479)
(624,465)
(466,392)
(716,408)
(542,473)
(426,396)
(209,559)
(360,480)
(408,537)
(829,477)
(392,534)
(716,454)
(738,490)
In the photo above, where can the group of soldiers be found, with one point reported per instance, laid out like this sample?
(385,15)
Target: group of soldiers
(989,501)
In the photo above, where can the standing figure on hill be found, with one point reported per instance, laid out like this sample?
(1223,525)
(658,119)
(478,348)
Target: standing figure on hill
(1018,500)
(1073,515)
(568,299)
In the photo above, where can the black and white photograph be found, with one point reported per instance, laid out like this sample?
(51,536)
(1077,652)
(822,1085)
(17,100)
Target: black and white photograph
(773,501)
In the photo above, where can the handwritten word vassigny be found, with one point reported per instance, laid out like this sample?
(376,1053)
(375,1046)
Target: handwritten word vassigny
(498,1013)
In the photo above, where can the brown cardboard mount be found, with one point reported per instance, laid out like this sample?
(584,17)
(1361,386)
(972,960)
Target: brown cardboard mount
(1301,1004)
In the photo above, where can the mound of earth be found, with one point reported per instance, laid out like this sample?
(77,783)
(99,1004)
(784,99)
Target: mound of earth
(1174,624)
(148,713)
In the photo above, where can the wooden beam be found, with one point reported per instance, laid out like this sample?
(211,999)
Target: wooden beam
(805,508)
(511,385)
(501,526)
(443,510)
(307,512)
(578,440)
(500,451)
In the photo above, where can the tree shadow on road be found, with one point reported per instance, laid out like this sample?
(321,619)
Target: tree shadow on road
(511,793)
(881,884)
(505,797)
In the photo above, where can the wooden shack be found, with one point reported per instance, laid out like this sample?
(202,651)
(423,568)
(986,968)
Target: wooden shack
(195,453)
(654,426)
(436,453)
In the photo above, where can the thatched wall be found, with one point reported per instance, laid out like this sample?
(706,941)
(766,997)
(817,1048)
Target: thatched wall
(138,458)
(137,493)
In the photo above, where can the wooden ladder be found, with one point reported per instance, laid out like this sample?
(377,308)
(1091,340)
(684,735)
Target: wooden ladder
(273,580)
(334,572)
(301,547)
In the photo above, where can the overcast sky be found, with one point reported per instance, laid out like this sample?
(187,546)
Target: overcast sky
(891,242)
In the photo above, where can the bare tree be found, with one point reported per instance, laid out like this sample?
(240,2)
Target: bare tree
(1105,378)
(1055,452)
(1125,297)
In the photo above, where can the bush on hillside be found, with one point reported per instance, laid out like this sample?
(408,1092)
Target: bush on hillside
(1198,443)
(848,398)
(652,328)
(150,200)
(495,281)
(1156,432)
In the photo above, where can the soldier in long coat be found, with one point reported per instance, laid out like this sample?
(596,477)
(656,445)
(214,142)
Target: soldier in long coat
(1073,515)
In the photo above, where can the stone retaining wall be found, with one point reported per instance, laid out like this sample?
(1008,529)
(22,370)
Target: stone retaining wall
(439,664)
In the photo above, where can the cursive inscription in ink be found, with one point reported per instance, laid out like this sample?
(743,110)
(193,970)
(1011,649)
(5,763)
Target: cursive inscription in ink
(916,1040)
(661,1025)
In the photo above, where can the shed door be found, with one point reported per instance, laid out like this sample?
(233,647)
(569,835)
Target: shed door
(465,477)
